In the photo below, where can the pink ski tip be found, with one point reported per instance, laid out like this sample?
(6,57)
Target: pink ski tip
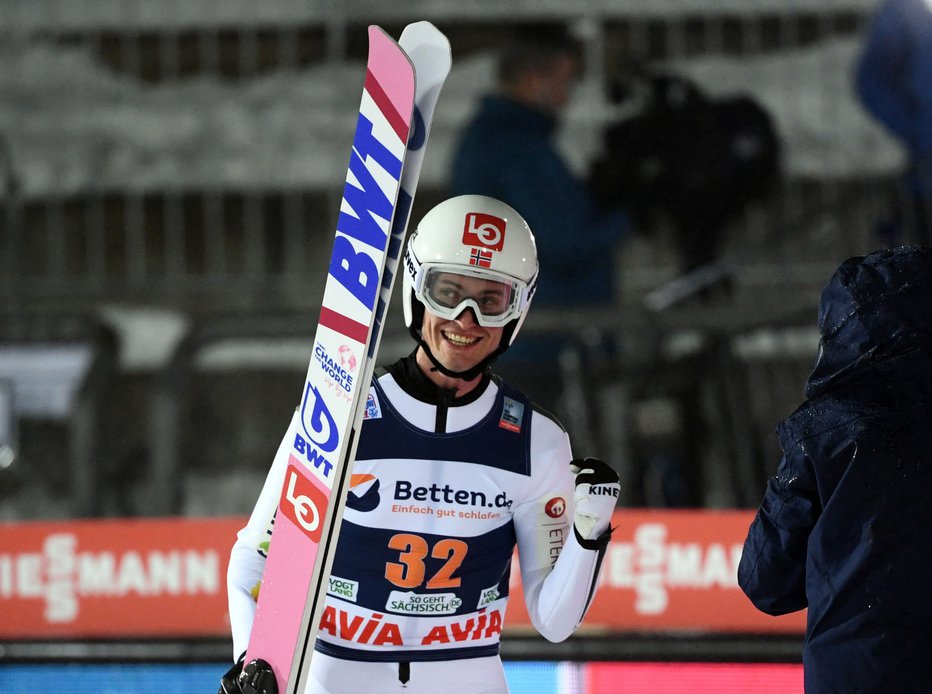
(390,80)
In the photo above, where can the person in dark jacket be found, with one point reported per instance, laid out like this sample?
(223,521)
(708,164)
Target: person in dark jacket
(845,526)
(507,152)
(894,82)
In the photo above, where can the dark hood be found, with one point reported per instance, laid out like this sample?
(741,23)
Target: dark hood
(875,323)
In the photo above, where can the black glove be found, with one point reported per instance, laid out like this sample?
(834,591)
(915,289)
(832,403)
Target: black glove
(228,683)
(255,678)
(597,490)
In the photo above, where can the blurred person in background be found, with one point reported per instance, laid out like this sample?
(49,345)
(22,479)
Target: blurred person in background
(507,151)
(844,526)
(454,470)
(894,83)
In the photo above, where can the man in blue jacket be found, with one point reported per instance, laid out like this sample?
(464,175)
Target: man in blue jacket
(845,526)
(894,82)
(507,152)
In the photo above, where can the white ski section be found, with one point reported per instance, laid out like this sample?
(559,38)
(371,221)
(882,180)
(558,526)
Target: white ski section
(431,54)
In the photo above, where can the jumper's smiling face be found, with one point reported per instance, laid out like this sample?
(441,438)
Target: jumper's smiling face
(461,343)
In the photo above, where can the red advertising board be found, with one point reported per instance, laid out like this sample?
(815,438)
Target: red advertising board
(695,678)
(108,579)
(664,571)
(674,571)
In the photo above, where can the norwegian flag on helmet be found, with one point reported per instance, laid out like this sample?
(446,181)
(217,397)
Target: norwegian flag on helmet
(480,258)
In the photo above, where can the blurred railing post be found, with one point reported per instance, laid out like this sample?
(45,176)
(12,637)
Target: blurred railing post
(85,427)
(167,414)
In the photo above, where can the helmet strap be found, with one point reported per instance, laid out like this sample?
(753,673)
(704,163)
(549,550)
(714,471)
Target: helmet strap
(418,318)
(466,375)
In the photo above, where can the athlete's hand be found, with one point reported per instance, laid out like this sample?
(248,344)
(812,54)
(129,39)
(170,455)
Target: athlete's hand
(597,489)
(255,678)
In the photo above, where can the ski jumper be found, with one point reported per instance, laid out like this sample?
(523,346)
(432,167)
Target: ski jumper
(442,492)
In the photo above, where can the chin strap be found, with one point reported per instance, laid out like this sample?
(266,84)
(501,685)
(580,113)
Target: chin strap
(467,375)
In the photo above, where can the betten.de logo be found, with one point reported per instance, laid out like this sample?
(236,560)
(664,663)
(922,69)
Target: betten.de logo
(484,231)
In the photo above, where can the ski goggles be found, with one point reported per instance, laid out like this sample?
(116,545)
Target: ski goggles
(448,290)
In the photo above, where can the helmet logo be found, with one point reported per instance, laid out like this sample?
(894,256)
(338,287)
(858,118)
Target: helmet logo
(485,231)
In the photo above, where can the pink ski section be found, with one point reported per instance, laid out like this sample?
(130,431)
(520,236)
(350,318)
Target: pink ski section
(278,624)
(390,81)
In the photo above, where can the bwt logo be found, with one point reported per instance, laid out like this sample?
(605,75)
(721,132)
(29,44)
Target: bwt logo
(485,231)
(365,209)
(318,423)
(303,503)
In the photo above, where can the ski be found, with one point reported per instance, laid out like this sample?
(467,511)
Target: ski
(320,433)
(403,81)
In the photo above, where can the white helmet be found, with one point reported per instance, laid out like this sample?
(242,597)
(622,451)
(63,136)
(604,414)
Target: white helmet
(475,236)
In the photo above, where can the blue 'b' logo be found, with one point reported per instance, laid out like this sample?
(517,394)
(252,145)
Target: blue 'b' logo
(317,421)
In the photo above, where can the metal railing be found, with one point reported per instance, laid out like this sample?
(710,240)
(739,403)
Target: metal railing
(218,410)
(59,371)
(191,153)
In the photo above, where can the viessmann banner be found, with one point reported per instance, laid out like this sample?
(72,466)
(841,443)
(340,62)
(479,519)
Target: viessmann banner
(664,571)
